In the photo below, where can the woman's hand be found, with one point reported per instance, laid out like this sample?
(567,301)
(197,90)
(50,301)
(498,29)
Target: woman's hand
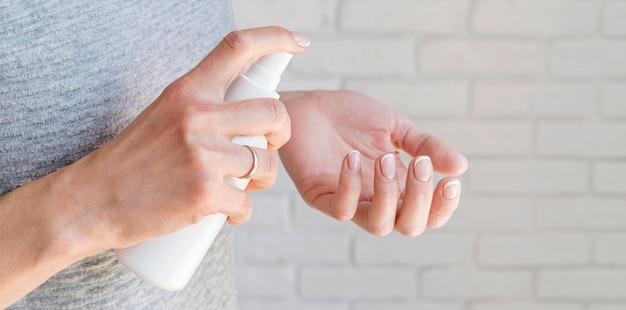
(343,158)
(163,172)
(166,170)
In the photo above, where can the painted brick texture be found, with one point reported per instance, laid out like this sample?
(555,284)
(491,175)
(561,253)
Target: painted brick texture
(533,92)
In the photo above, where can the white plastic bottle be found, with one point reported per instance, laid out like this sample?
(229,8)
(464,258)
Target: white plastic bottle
(170,261)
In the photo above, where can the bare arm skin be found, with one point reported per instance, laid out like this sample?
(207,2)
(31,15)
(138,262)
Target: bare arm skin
(162,173)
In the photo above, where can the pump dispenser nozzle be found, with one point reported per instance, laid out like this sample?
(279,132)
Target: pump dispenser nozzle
(267,70)
(261,78)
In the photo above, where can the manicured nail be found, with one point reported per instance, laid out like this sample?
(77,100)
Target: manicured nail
(388,166)
(451,189)
(354,160)
(423,169)
(301,40)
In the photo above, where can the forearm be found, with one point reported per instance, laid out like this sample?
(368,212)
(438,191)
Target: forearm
(39,235)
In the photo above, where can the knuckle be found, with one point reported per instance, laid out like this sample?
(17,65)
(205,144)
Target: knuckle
(424,198)
(244,213)
(181,90)
(201,193)
(277,110)
(183,114)
(427,142)
(175,89)
(264,183)
(247,210)
(285,34)
(186,132)
(237,41)
(277,29)
(272,167)
(193,124)
(210,189)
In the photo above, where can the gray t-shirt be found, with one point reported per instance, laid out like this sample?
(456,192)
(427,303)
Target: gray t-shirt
(73,74)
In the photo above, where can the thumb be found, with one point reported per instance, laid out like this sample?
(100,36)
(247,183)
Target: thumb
(237,51)
(445,158)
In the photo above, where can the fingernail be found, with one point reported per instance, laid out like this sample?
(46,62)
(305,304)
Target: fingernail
(301,40)
(451,189)
(422,169)
(354,160)
(388,166)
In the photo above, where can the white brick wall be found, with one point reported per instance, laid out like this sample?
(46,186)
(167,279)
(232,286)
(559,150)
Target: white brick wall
(606,177)
(525,306)
(418,98)
(506,100)
(446,17)
(609,249)
(588,58)
(528,176)
(528,250)
(580,213)
(582,139)
(468,57)
(586,284)
(612,100)
(477,138)
(535,18)
(533,92)
(464,284)
(615,18)
(362,283)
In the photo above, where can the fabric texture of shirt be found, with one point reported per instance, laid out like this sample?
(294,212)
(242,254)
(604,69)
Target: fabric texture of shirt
(73,74)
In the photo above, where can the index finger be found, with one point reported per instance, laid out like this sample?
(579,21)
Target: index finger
(237,50)
(341,203)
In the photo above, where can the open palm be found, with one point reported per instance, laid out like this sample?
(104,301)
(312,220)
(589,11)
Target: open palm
(371,187)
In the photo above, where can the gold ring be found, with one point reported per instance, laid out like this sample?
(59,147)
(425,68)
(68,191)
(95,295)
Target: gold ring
(255,163)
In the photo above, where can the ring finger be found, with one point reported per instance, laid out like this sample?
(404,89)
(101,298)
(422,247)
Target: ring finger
(242,160)
(378,217)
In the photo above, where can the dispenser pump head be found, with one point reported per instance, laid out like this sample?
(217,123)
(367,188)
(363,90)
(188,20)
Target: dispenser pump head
(268,69)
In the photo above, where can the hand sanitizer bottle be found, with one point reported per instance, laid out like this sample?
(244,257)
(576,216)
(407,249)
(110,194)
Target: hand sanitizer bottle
(170,261)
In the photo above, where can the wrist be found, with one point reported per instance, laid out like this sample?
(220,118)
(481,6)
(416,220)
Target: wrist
(39,228)
(74,212)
